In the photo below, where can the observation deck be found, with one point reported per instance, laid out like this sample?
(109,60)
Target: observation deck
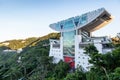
(90,21)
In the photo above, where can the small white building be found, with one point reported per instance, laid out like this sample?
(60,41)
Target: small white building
(19,50)
(76,34)
(10,50)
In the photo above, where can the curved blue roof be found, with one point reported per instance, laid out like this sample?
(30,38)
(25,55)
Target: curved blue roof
(77,22)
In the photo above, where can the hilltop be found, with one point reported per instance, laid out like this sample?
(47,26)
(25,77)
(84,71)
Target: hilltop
(22,43)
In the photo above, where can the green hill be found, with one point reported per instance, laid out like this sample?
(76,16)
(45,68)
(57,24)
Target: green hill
(22,43)
(33,63)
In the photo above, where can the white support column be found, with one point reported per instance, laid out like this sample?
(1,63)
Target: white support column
(61,47)
(98,45)
(77,41)
(50,52)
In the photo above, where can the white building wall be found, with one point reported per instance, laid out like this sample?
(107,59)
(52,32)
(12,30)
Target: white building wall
(106,50)
(57,53)
(98,45)
(77,41)
(61,48)
(81,59)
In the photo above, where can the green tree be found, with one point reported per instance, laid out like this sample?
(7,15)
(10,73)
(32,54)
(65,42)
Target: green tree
(79,74)
(61,70)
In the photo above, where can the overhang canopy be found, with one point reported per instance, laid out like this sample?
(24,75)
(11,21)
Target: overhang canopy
(90,21)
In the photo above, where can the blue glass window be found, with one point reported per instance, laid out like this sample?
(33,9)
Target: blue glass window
(57,26)
(68,24)
(76,21)
(69,43)
(83,19)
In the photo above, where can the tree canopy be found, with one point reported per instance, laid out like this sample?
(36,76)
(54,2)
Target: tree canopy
(33,63)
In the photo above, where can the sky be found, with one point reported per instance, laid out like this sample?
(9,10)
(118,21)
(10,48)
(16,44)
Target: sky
(21,19)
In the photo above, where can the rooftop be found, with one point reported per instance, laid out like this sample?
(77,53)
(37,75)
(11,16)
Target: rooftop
(90,21)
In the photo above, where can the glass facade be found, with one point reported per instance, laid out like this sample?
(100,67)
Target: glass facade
(76,21)
(70,23)
(85,35)
(69,43)
(83,19)
(68,27)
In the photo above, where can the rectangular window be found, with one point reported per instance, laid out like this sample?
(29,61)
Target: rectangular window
(83,19)
(69,43)
(68,24)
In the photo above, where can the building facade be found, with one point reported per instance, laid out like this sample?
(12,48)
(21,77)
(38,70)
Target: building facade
(76,34)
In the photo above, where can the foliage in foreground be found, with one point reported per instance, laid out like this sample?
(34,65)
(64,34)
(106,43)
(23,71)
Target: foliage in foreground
(34,64)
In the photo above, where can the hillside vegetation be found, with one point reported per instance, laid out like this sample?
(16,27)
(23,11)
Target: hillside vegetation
(33,63)
(22,43)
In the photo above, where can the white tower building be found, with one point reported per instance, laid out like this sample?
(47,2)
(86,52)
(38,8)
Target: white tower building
(76,34)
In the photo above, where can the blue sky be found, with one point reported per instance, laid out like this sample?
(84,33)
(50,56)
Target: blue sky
(31,18)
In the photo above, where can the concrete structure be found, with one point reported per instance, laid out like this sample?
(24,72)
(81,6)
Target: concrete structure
(118,35)
(14,51)
(76,34)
